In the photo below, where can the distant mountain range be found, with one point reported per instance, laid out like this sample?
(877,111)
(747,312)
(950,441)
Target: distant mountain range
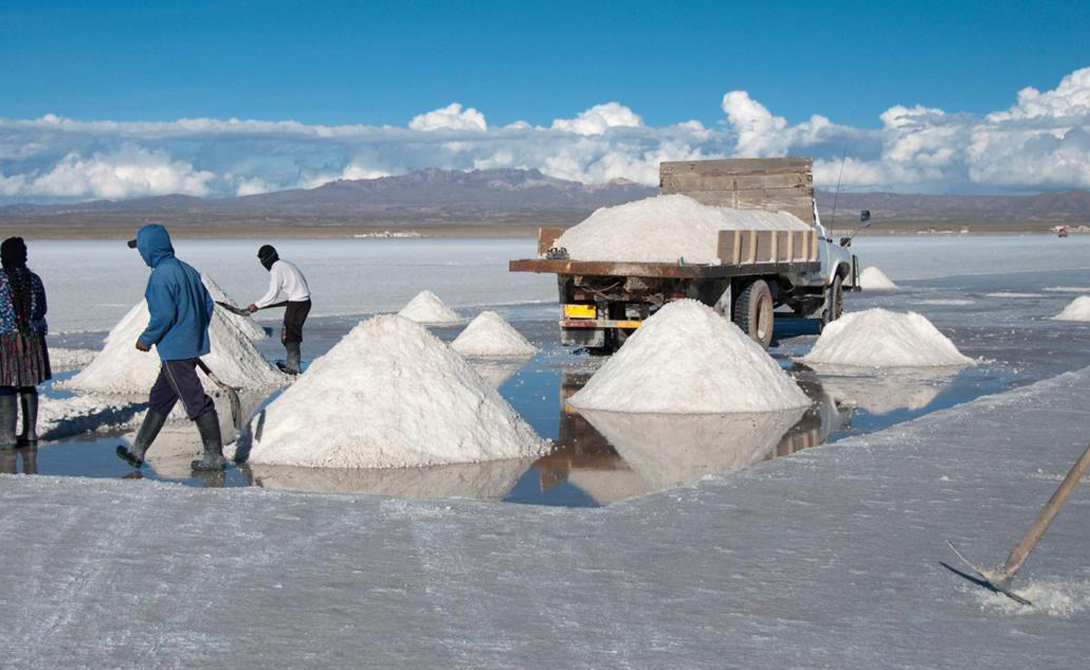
(434,197)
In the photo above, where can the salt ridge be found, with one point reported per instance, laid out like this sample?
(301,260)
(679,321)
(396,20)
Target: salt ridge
(1077,310)
(873,279)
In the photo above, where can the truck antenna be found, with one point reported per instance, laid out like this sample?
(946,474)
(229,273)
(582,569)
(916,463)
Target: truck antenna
(836,194)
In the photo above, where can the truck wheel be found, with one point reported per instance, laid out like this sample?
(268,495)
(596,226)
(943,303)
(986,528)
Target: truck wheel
(753,312)
(836,303)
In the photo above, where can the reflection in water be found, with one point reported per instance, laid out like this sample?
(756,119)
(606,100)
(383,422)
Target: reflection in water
(496,371)
(612,456)
(11,458)
(887,391)
(489,480)
(669,450)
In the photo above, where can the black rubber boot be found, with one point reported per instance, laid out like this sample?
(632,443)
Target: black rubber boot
(29,436)
(291,366)
(208,424)
(8,416)
(149,430)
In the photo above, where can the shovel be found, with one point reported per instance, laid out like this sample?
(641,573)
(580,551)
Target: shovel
(1000,578)
(242,311)
(232,394)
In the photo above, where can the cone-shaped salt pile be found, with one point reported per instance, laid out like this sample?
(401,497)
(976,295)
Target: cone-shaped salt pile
(427,308)
(490,336)
(120,368)
(389,394)
(873,279)
(686,359)
(635,232)
(1078,310)
(244,323)
(878,338)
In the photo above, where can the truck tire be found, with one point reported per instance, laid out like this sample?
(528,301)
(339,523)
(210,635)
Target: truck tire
(835,308)
(753,312)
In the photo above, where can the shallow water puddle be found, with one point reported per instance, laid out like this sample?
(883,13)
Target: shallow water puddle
(597,459)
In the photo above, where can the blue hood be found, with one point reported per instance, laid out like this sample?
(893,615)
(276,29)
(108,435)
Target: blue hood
(153,243)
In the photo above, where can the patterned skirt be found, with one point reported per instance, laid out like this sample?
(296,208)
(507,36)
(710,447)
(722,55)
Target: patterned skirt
(23,362)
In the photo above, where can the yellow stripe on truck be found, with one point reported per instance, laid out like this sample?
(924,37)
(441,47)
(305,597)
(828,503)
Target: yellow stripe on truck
(580,311)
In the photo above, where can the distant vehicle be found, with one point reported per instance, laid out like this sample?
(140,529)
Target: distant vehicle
(603,302)
(1061,232)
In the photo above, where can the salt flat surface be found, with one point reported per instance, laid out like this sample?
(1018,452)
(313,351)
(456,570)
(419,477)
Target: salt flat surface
(830,558)
(62,359)
(345,276)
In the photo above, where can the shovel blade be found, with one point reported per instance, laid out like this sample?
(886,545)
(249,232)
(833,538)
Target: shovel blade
(988,578)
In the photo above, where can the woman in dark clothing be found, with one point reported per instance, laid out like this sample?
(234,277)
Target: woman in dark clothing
(24,360)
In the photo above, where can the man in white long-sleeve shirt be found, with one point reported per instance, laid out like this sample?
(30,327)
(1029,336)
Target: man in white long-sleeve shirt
(288,287)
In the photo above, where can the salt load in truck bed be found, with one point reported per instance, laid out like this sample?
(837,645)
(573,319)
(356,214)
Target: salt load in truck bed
(741,235)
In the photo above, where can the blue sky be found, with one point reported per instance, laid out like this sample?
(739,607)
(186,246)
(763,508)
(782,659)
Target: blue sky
(383,62)
(926,96)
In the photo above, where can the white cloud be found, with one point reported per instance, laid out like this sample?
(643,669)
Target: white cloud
(451,117)
(131,171)
(1042,141)
(600,118)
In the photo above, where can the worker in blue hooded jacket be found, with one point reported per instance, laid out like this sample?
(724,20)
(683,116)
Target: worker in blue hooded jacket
(181,310)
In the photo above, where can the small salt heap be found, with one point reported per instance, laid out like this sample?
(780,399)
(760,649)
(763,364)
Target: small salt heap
(664,229)
(878,338)
(489,336)
(120,368)
(873,279)
(427,308)
(389,394)
(1078,310)
(687,359)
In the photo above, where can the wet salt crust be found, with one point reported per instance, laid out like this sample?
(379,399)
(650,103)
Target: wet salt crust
(120,368)
(427,308)
(1077,310)
(687,359)
(664,229)
(873,279)
(61,359)
(389,394)
(489,335)
(879,338)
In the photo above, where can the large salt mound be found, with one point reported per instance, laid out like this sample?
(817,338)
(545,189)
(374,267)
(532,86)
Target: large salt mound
(686,359)
(1078,310)
(120,368)
(489,335)
(873,279)
(427,308)
(878,338)
(663,229)
(389,394)
(243,323)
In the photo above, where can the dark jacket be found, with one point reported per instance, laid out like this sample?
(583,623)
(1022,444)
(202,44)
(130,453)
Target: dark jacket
(180,306)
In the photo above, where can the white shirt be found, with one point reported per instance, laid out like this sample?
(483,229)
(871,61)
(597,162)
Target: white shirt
(285,283)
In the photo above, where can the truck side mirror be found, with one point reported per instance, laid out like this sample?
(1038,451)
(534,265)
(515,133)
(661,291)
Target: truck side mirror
(864,218)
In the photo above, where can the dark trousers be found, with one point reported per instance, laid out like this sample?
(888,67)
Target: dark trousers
(178,381)
(295,315)
(12,390)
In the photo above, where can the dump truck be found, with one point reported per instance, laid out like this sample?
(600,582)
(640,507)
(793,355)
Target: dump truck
(803,271)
